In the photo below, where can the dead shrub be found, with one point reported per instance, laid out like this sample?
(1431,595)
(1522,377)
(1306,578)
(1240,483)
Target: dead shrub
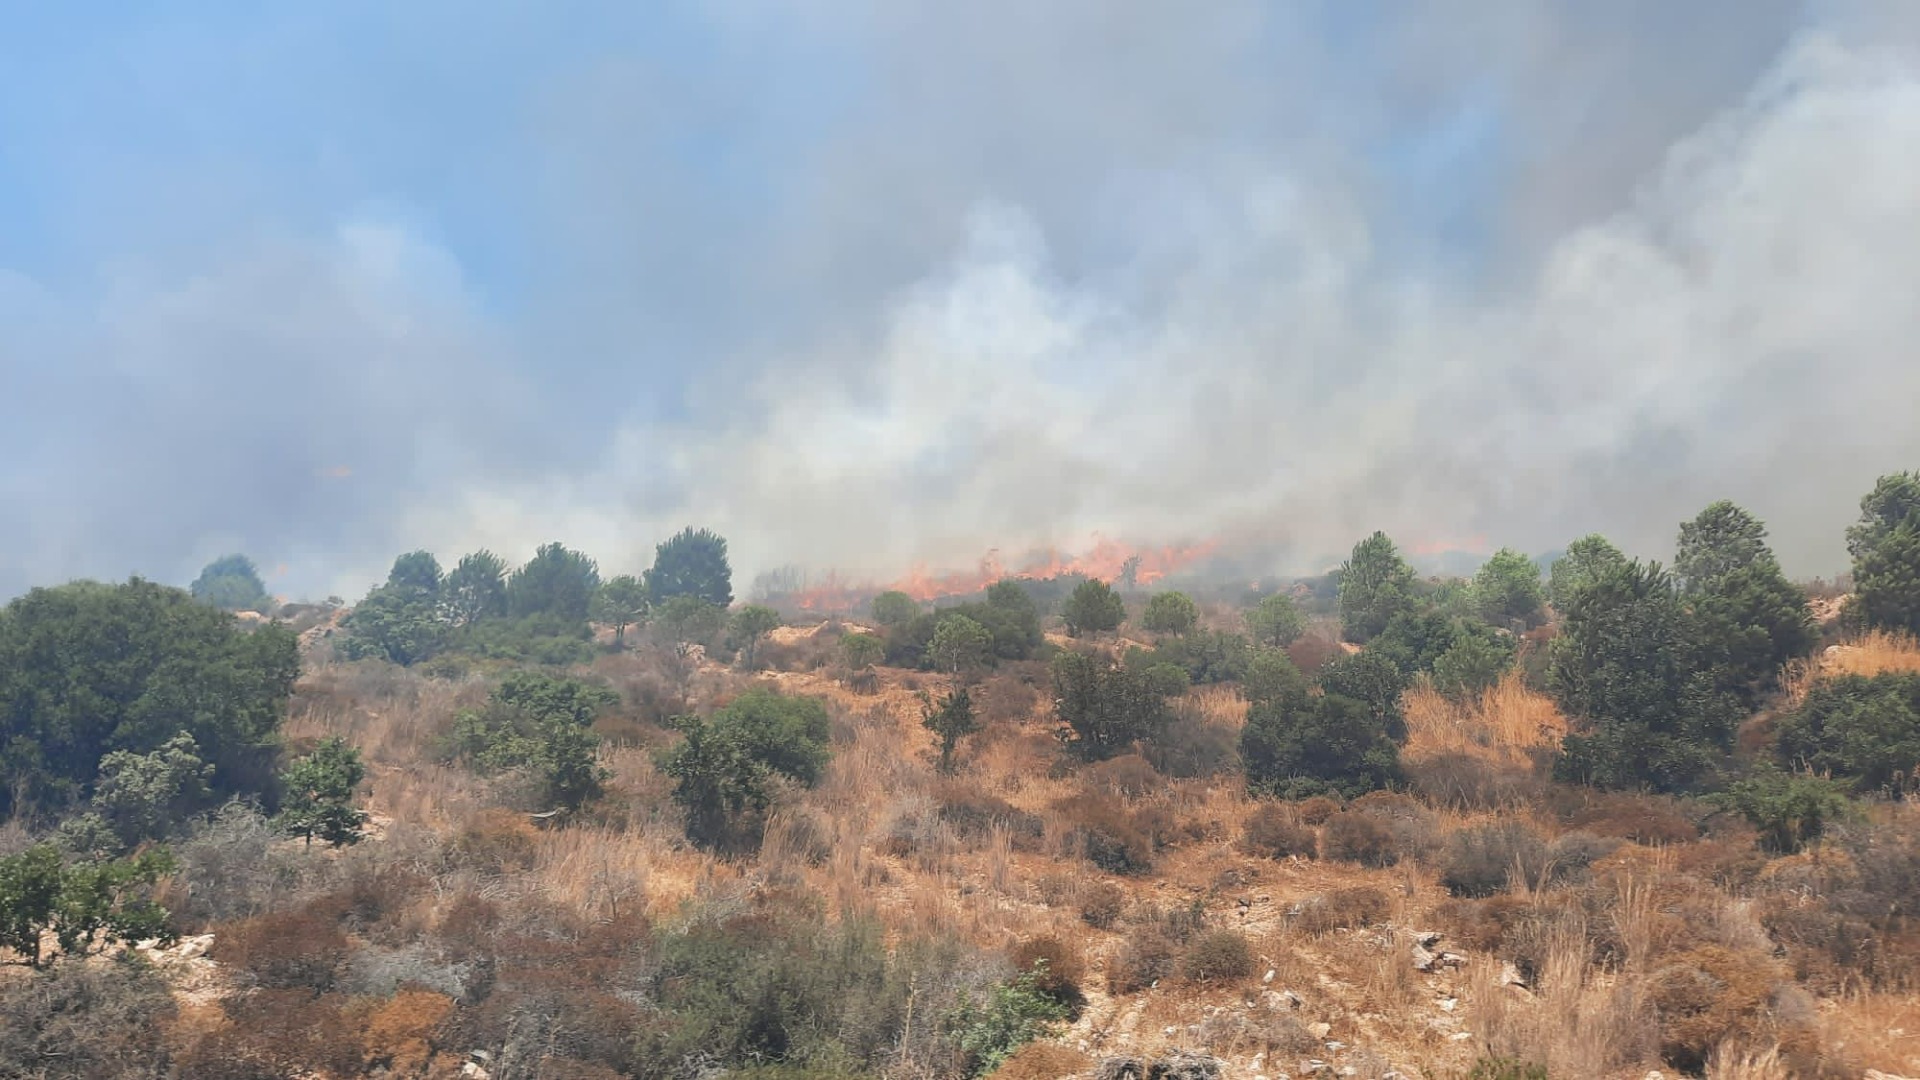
(1245,1033)
(1652,820)
(1217,956)
(1111,835)
(399,1031)
(1144,959)
(1343,909)
(302,949)
(1129,776)
(1101,904)
(1351,836)
(496,841)
(1469,781)
(1707,997)
(1005,700)
(975,813)
(1273,832)
(1043,1061)
(1316,810)
(1195,746)
(85,1020)
(1056,968)
(272,1034)
(1482,860)
(1312,652)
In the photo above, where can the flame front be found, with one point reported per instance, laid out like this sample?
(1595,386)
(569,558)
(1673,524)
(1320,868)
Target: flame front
(1106,561)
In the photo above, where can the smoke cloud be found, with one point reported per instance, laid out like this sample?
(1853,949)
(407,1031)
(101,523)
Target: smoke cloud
(892,284)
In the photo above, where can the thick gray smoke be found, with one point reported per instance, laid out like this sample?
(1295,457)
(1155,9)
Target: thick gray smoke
(1028,277)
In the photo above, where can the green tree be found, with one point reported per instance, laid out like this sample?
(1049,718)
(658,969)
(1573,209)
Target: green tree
(1013,1014)
(959,643)
(1722,539)
(1625,664)
(1375,585)
(541,726)
(1170,613)
(1093,608)
(556,583)
(397,624)
(1471,666)
(1296,746)
(1507,590)
(146,796)
(1011,616)
(620,602)
(894,608)
(87,669)
(476,589)
(1790,811)
(1587,560)
(1372,680)
(861,651)
(418,572)
(83,906)
(1276,621)
(724,765)
(1105,710)
(686,621)
(749,625)
(1865,730)
(786,733)
(951,719)
(1273,679)
(1886,580)
(317,794)
(232,583)
(693,562)
(1893,503)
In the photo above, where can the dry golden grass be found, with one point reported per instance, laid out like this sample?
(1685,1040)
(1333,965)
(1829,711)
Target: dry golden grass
(1875,652)
(1506,725)
(1874,1031)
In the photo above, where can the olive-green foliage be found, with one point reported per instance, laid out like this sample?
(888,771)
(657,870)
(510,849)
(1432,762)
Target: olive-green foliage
(748,626)
(1865,730)
(1105,709)
(1093,608)
(85,906)
(959,643)
(1008,614)
(1626,662)
(1416,640)
(1170,613)
(1893,503)
(692,562)
(1507,590)
(687,620)
(1276,621)
(1207,656)
(149,796)
(556,583)
(620,602)
(1790,811)
(950,719)
(1506,1069)
(541,725)
(1375,585)
(231,583)
(1295,747)
(1471,666)
(476,589)
(1746,619)
(1886,580)
(1010,1015)
(87,669)
(862,650)
(894,608)
(317,794)
(1273,679)
(1587,559)
(1373,681)
(418,572)
(723,765)
(401,621)
(1167,680)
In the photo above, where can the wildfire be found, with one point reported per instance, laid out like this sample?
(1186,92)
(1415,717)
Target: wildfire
(1108,560)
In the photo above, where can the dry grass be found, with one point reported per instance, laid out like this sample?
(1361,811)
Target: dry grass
(1507,725)
(1875,652)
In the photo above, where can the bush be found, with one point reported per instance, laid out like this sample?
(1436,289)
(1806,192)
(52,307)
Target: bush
(84,1020)
(1217,956)
(1706,998)
(1506,1069)
(1652,820)
(1316,810)
(302,949)
(1309,746)
(1273,831)
(540,725)
(1249,1032)
(1479,861)
(1195,746)
(1105,709)
(1144,959)
(1862,729)
(1129,776)
(1056,970)
(1350,836)
(1101,904)
(1113,837)
(1012,1015)
(1343,909)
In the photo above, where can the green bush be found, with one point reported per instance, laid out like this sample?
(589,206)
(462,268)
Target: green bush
(1865,730)
(724,764)
(539,725)
(1105,710)
(1009,1016)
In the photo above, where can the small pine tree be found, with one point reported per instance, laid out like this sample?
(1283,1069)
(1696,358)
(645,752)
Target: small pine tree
(318,794)
(952,719)
(1093,608)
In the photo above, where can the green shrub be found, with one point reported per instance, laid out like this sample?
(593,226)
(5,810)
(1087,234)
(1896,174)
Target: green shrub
(1012,1014)
(539,724)
(1865,730)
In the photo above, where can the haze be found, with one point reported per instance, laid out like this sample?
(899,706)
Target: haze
(870,285)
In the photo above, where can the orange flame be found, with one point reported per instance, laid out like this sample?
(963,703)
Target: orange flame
(1107,561)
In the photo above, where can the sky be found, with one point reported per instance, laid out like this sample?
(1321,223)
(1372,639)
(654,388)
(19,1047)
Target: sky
(873,284)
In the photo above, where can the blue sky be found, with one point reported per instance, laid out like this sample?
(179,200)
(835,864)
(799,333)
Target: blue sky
(331,281)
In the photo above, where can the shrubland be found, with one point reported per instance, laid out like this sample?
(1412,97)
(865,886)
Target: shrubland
(1616,818)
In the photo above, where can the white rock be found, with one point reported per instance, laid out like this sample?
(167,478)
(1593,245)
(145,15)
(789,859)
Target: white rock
(1320,1030)
(1461,1036)
(1334,1046)
(1449,1004)
(1267,979)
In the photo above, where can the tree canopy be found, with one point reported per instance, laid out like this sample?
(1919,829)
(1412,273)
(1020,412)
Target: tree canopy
(557,583)
(692,562)
(232,583)
(1093,608)
(1276,621)
(1375,585)
(1507,590)
(1170,613)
